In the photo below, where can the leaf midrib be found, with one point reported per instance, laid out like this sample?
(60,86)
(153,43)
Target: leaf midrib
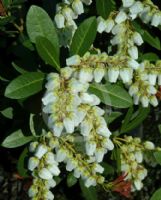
(100,89)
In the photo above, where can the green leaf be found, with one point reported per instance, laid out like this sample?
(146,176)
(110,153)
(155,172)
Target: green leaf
(25,85)
(47,52)
(112,95)
(152,40)
(88,193)
(159,127)
(16,139)
(157,156)
(21,163)
(6,3)
(156,195)
(18,69)
(71,180)
(140,115)
(104,7)
(38,23)
(84,37)
(108,169)
(8,113)
(114,115)
(150,57)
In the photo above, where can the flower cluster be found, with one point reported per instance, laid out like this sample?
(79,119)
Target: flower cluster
(43,166)
(132,156)
(66,13)
(146,10)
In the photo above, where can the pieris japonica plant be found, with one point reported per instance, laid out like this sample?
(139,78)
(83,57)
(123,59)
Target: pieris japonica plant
(95,84)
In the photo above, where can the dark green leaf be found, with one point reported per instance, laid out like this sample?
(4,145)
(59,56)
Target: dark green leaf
(104,7)
(114,115)
(71,180)
(108,169)
(150,57)
(88,193)
(47,52)
(21,163)
(142,113)
(16,139)
(84,37)
(112,95)
(25,85)
(156,195)
(157,156)
(127,118)
(38,23)
(8,113)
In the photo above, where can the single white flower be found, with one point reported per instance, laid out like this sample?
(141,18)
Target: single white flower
(58,128)
(126,75)
(77,6)
(45,174)
(86,75)
(99,154)
(101,24)
(33,191)
(40,151)
(51,183)
(137,39)
(48,98)
(156,19)
(49,195)
(113,74)
(138,184)
(54,170)
(133,52)
(59,20)
(50,158)
(136,8)
(133,64)
(87,2)
(127,3)
(145,101)
(60,155)
(90,182)
(74,60)
(139,156)
(69,125)
(149,145)
(154,101)
(121,17)
(33,146)
(99,74)
(109,25)
(86,128)
(152,79)
(33,163)
(90,147)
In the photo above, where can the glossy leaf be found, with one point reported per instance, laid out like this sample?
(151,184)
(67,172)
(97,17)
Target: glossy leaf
(16,139)
(88,193)
(39,23)
(47,52)
(157,156)
(84,37)
(140,116)
(71,180)
(8,112)
(21,165)
(105,7)
(156,195)
(112,95)
(25,85)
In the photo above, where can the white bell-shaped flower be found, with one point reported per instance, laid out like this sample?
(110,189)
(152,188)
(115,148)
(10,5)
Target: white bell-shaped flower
(74,60)
(33,163)
(77,6)
(121,17)
(109,25)
(59,20)
(54,170)
(45,174)
(40,151)
(127,3)
(113,74)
